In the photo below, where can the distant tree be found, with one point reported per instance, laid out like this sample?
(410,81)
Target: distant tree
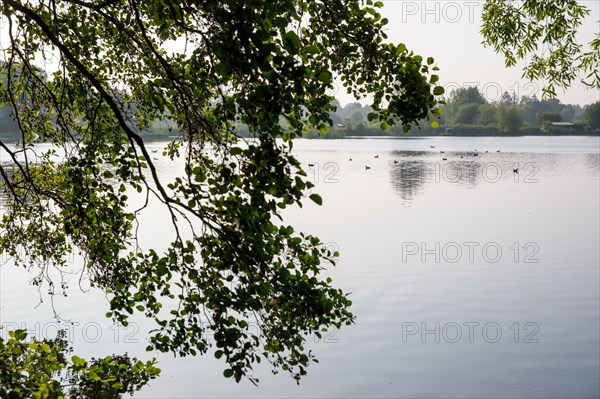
(487,115)
(510,118)
(549,117)
(528,99)
(467,114)
(8,126)
(508,98)
(578,111)
(591,114)
(569,112)
(466,95)
(349,108)
(550,105)
(533,109)
(529,105)
(357,116)
(460,97)
(334,114)
(335,118)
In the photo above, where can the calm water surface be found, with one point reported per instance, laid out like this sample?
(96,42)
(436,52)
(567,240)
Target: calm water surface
(468,279)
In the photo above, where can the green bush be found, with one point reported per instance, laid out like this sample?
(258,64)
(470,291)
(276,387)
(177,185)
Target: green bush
(41,369)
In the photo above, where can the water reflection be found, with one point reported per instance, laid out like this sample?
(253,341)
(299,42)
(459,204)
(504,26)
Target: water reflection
(362,217)
(593,163)
(406,179)
(412,171)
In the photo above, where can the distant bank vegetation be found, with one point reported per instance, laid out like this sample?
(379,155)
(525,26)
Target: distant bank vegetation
(466,113)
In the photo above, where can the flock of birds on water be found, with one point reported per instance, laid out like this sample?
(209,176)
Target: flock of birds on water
(367,167)
(474,153)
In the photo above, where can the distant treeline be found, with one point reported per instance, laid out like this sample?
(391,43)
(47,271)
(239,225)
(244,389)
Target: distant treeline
(466,113)
(159,130)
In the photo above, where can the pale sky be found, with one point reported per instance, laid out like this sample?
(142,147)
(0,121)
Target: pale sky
(449,32)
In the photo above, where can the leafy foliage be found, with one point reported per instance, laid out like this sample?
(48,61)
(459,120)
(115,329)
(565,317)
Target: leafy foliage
(591,114)
(40,369)
(467,107)
(466,95)
(232,262)
(510,117)
(467,114)
(462,106)
(544,33)
(549,117)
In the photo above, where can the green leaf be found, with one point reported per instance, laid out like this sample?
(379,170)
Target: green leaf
(77,361)
(316,199)
(280,22)
(291,41)
(312,49)
(161,270)
(325,77)
(438,90)
(228,373)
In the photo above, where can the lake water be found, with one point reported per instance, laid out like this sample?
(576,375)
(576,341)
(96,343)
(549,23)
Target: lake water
(468,279)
